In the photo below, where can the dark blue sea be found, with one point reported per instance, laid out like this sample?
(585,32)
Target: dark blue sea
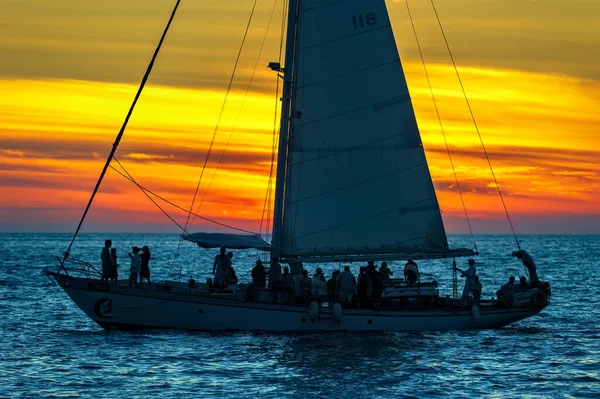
(50,349)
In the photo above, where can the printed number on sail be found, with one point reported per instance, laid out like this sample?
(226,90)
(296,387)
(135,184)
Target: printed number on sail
(361,21)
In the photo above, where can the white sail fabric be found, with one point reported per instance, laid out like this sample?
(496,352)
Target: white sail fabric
(357,180)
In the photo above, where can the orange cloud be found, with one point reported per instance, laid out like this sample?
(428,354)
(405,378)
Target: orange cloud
(56,134)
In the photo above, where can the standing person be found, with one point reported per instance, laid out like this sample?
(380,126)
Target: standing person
(529,264)
(220,267)
(228,272)
(288,285)
(144,268)
(385,272)
(135,266)
(362,287)
(332,287)
(319,285)
(374,286)
(106,261)
(114,267)
(305,286)
(411,272)
(347,285)
(275,271)
(259,275)
(469,275)
(477,288)
(221,261)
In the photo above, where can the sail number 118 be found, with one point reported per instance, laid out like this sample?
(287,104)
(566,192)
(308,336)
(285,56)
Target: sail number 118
(361,21)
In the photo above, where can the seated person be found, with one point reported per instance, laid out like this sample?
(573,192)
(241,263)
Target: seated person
(523,285)
(505,293)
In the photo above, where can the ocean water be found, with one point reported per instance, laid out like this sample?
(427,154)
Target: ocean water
(49,348)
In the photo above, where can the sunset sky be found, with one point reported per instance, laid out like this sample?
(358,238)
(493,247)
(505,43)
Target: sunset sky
(69,70)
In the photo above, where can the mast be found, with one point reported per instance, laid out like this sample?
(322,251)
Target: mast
(285,127)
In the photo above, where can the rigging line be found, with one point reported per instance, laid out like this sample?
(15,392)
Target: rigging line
(130,178)
(437,111)
(475,124)
(177,206)
(212,141)
(240,109)
(283,26)
(221,112)
(122,131)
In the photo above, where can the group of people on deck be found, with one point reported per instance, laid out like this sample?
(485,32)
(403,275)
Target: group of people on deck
(140,260)
(472,284)
(224,274)
(472,289)
(506,292)
(364,291)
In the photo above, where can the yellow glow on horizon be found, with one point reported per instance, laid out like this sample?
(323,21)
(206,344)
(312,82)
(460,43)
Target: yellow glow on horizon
(539,129)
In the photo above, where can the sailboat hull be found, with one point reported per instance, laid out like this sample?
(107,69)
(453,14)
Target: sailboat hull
(128,308)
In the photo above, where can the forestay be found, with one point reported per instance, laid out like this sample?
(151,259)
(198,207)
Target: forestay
(357,180)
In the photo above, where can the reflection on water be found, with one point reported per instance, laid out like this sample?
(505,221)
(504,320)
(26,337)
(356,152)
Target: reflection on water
(49,348)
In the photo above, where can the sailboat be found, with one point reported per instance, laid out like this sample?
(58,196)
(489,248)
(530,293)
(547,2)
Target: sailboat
(352,186)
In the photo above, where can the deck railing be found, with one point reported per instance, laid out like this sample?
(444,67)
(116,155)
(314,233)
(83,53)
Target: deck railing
(78,268)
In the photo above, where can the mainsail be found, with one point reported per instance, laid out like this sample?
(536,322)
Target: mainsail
(355,180)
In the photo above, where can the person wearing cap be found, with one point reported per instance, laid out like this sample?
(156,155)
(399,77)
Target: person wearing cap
(135,266)
(469,275)
(529,265)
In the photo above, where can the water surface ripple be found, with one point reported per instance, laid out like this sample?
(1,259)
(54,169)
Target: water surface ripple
(50,349)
